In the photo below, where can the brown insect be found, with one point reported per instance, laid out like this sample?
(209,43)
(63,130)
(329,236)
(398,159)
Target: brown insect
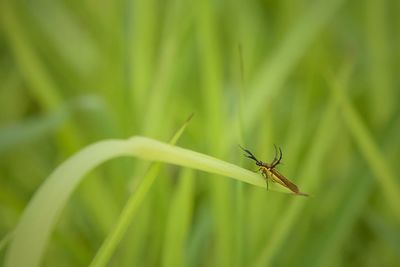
(269,172)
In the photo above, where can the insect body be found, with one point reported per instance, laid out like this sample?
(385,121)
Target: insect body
(269,171)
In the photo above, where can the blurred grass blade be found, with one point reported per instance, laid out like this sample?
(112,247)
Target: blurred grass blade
(130,209)
(346,208)
(347,212)
(385,230)
(6,239)
(38,126)
(30,129)
(275,70)
(39,218)
(41,85)
(309,179)
(323,138)
(379,73)
(369,149)
(211,78)
(178,221)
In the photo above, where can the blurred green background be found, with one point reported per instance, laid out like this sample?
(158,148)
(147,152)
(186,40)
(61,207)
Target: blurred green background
(318,78)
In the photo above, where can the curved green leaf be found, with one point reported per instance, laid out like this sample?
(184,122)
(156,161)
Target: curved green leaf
(39,218)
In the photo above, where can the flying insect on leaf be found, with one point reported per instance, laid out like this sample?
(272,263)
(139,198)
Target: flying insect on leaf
(269,171)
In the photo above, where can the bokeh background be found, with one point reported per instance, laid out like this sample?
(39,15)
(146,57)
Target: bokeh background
(318,78)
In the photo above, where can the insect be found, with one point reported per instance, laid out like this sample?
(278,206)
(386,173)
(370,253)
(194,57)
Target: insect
(269,172)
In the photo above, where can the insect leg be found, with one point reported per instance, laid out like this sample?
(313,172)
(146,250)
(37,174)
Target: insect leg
(259,169)
(266,176)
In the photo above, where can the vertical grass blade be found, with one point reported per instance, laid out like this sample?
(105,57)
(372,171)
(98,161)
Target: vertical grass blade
(128,212)
(309,179)
(380,94)
(369,149)
(178,222)
(276,69)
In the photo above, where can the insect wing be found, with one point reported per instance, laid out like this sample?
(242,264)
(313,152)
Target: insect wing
(278,177)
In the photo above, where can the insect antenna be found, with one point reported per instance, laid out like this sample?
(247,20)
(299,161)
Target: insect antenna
(249,154)
(277,160)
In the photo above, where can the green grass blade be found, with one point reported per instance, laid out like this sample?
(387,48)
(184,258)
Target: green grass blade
(309,179)
(39,218)
(379,69)
(384,230)
(376,160)
(6,239)
(38,126)
(343,219)
(30,129)
(211,70)
(41,84)
(178,221)
(130,209)
(276,70)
